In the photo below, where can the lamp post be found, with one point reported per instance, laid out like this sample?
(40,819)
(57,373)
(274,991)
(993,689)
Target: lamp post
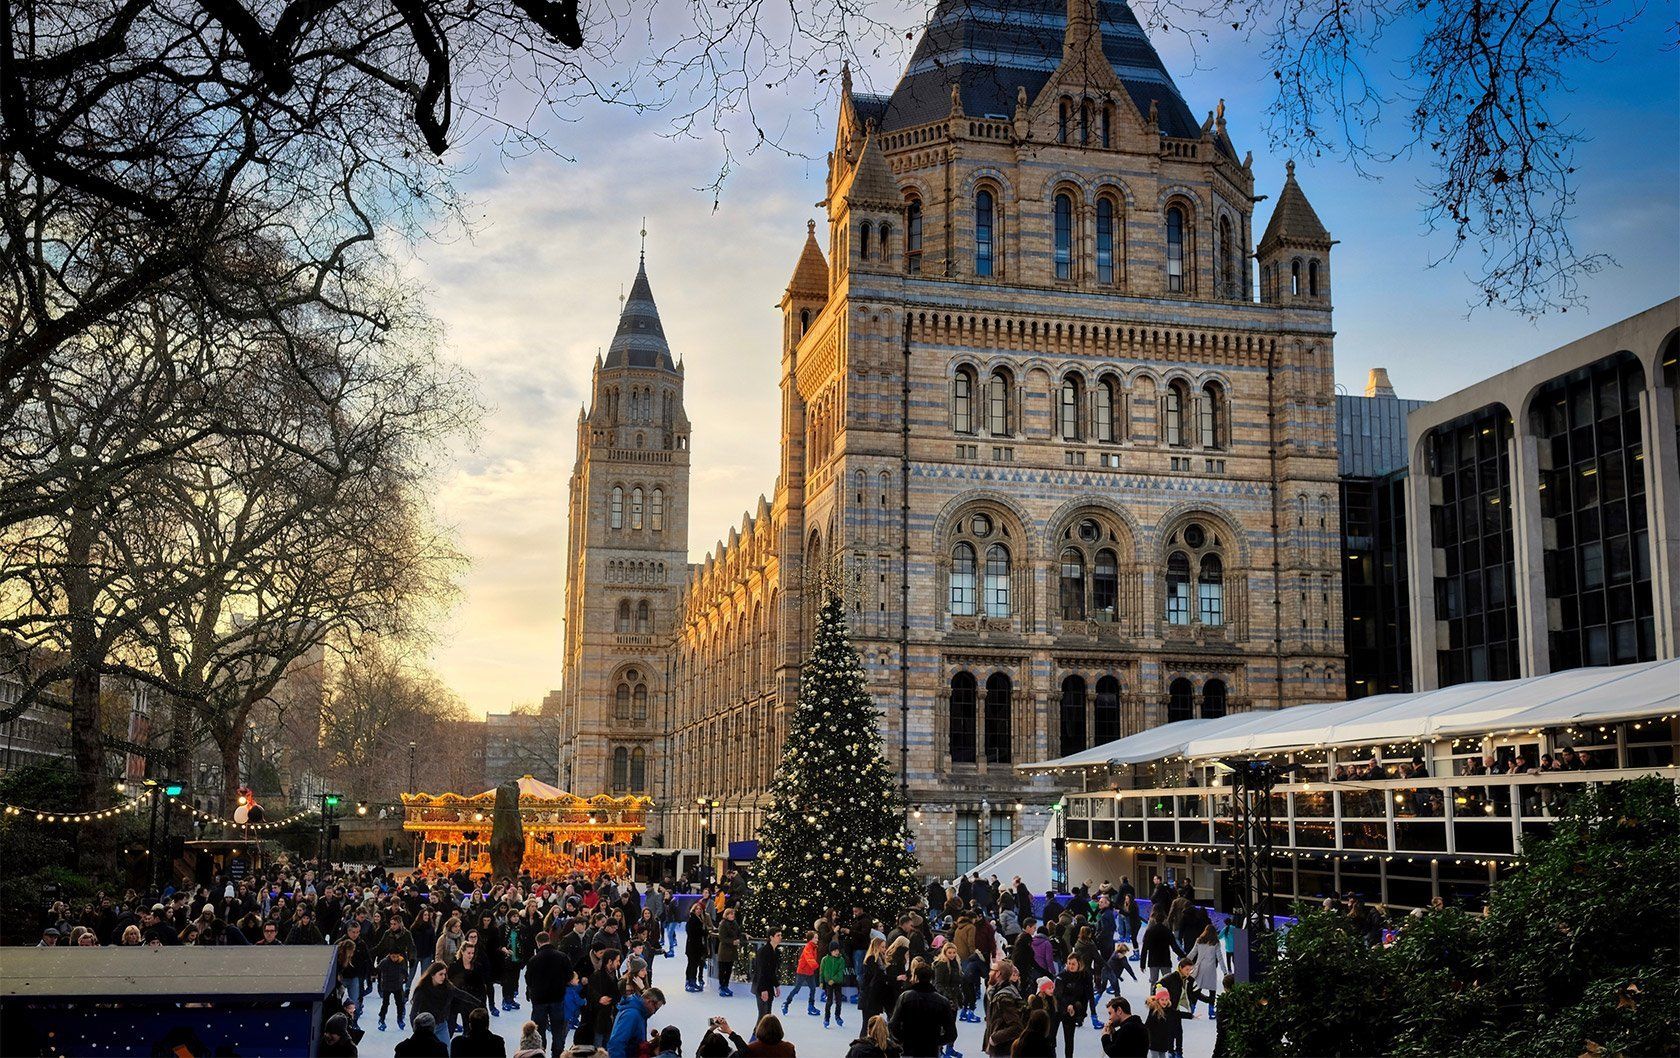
(414,842)
(329,801)
(708,831)
(151,831)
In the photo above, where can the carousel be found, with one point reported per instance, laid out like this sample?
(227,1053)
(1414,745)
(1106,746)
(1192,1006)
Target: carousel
(564,833)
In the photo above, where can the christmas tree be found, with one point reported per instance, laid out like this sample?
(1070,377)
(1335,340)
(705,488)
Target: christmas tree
(834,835)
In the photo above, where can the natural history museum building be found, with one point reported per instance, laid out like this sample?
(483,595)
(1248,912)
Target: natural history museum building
(1065,425)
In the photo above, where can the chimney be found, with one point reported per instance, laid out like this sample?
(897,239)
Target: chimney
(1377,384)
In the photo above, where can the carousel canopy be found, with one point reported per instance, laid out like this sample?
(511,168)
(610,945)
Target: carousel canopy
(530,789)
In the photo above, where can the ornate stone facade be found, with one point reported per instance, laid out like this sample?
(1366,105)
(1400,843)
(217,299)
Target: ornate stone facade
(626,560)
(1079,466)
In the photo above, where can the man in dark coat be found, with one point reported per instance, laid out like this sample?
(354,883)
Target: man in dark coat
(1124,1035)
(696,948)
(923,1021)
(857,942)
(1022,955)
(1052,906)
(546,977)
(1158,946)
(1107,926)
(767,973)
(478,1041)
(424,1043)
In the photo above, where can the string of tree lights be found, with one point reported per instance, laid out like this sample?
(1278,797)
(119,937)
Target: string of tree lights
(1344,857)
(58,817)
(44,815)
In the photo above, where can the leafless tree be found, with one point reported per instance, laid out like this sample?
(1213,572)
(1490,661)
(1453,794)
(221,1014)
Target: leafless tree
(1476,83)
(381,699)
(294,559)
(147,145)
(227,553)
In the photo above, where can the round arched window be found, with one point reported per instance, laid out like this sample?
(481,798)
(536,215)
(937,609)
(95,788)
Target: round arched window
(981,525)
(1090,531)
(1195,535)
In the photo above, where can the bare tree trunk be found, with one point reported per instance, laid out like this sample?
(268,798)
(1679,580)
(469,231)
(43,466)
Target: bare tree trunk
(87,748)
(87,745)
(230,743)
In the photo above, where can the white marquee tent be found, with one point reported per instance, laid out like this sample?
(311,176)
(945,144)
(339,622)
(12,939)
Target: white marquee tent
(1572,697)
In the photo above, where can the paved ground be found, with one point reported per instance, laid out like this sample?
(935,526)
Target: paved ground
(690,1011)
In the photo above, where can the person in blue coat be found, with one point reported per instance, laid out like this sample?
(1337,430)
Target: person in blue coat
(630,1024)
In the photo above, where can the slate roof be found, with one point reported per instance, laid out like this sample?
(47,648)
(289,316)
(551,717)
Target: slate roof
(992,47)
(1294,218)
(870,180)
(640,341)
(810,275)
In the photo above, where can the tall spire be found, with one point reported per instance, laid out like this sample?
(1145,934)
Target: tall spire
(640,340)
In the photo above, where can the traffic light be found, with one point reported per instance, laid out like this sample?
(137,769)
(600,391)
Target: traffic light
(173,789)
(332,800)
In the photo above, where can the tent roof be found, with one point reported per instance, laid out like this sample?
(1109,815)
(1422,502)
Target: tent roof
(1588,695)
(533,787)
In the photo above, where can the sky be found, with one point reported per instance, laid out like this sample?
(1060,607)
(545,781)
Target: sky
(528,293)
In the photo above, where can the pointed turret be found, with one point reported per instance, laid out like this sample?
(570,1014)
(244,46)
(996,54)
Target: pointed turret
(640,339)
(807,291)
(810,275)
(1294,218)
(1295,251)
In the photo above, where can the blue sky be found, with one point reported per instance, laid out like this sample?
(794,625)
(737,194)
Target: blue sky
(528,293)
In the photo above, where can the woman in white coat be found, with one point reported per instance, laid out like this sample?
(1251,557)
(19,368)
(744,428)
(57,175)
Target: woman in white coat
(1209,956)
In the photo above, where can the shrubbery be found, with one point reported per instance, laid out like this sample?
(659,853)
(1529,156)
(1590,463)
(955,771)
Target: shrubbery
(1578,954)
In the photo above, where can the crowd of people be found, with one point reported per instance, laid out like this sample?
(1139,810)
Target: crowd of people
(449,957)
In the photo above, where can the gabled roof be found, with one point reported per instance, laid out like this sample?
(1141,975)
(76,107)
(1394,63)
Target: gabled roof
(640,340)
(1294,218)
(810,275)
(991,48)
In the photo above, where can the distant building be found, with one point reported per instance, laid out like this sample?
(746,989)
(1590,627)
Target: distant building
(42,732)
(1371,436)
(1546,507)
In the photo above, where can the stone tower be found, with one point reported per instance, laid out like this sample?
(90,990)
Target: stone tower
(626,558)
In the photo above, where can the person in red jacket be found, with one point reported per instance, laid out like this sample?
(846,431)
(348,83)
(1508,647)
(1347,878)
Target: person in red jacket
(805,976)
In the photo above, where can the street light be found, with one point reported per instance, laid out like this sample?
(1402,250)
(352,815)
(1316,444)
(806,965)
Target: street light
(708,828)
